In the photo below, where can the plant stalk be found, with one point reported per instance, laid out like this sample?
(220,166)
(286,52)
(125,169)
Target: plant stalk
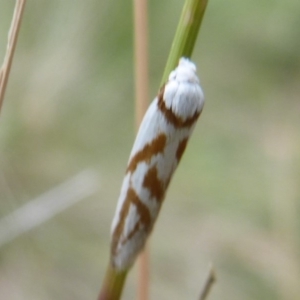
(112,286)
(186,34)
(141,105)
(11,46)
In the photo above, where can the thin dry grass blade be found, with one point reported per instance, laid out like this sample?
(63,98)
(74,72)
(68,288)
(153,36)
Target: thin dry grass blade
(46,206)
(210,280)
(141,104)
(143,275)
(11,46)
(141,58)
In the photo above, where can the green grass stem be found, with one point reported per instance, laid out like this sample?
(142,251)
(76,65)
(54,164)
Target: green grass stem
(113,283)
(186,34)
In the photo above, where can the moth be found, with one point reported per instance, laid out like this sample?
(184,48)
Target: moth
(157,150)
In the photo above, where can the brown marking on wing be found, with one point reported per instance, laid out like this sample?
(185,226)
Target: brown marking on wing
(144,214)
(155,147)
(154,184)
(172,118)
(180,149)
(135,229)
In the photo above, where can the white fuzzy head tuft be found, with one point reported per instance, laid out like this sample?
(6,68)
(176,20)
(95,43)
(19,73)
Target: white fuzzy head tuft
(183,94)
(185,71)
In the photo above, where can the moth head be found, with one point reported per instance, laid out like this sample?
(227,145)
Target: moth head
(185,72)
(183,94)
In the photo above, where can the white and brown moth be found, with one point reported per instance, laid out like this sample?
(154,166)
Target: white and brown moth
(158,147)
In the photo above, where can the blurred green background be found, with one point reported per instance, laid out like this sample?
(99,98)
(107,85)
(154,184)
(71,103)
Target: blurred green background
(234,200)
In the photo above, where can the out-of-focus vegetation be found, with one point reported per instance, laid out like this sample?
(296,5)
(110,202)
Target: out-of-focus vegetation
(235,197)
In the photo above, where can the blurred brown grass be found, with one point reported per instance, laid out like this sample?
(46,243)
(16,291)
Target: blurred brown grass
(235,197)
